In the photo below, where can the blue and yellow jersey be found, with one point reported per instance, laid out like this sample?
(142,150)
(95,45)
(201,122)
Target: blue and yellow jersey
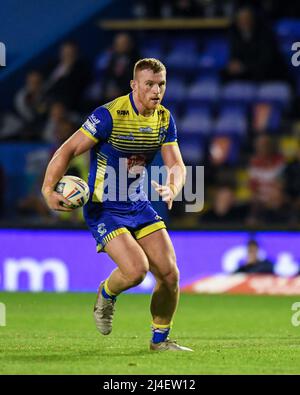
(125,141)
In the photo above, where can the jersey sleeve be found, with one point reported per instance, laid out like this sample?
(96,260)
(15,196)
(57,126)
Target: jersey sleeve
(98,125)
(171,136)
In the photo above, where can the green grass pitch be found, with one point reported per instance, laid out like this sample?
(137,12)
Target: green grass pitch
(55,334)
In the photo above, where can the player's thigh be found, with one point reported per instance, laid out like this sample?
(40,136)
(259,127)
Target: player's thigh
(127,254)
(160,252)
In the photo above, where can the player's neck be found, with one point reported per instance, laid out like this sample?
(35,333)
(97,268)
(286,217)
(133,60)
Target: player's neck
(141,109)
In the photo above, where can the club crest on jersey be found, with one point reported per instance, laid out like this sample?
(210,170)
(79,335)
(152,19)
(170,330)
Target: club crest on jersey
(101,229)
(146,130)
(162,134)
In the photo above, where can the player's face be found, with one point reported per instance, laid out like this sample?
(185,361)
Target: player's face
(150,88)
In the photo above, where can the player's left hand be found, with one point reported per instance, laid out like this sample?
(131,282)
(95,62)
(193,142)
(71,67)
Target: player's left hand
(165,192)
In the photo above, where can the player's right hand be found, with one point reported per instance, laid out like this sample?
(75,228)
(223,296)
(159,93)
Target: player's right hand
(55,201)
(166,192)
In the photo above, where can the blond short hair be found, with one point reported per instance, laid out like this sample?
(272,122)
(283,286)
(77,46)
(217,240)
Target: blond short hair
(148,64)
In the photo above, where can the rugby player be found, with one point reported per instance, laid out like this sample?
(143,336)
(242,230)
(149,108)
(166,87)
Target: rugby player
(132,129)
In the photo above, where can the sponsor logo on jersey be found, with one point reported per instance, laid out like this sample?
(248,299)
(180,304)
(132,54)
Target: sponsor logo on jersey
(130,137)
(89,127)
(91,123)
(101,229)
(146,130)
(123,112)
(94,119)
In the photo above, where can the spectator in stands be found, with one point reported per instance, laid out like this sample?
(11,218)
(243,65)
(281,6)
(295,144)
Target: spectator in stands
(225,209)
(117,65)
(185,9)
(31,106)
(178,8)
(69,77)
(29,100)
(57,114)
(24,122)
(10,126)
(292,186)
(276,211)
(64,130)
(253,262)
(33,204)
(265,173)
(278,9)
(254,54)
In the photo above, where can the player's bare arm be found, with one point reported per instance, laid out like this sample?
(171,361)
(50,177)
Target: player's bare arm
(176,174)
(76,145)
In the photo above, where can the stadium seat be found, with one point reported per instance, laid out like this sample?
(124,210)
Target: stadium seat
(204,91)
(152,52)
(208,75)
(231,124)
(196,123)
(183,54)
(288,28)
(239,92)
(215,54)
(101,62)
(285,46)
(233,108)
(172,106)
(176,90)
(192,148)
(192,108)
(184,44)
(153,49)
(181,60)
(275,93)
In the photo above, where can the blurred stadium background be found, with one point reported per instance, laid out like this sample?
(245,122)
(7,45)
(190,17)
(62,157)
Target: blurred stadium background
(235,95)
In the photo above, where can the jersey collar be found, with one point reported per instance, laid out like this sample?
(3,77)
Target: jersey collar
(132,103)
(135,109)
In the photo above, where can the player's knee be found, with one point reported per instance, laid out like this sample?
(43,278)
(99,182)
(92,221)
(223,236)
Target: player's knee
(137,272)
(171,279)
(137,276)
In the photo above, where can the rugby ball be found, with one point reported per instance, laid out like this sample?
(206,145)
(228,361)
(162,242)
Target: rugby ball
(74,189)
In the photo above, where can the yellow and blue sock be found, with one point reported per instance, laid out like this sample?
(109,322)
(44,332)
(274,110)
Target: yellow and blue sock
(160,332)
(106,293)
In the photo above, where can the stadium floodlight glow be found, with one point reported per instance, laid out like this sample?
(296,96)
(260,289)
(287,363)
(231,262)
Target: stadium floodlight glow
(2,54)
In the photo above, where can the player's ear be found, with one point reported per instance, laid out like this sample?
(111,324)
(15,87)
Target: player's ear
(133,85)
